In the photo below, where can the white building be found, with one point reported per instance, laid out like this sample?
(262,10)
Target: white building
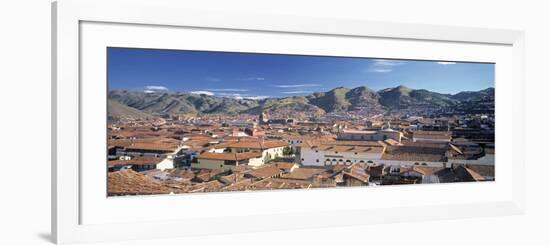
(340,152)
(228,160)
(166,163)
(380,135)
(228,155)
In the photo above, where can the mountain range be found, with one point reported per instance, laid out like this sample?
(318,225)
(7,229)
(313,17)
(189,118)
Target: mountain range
(138,104)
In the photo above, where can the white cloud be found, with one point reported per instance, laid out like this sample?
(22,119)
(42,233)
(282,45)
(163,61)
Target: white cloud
(252,79)
(446,63)
(381,70)
(384,66)
(381,62)
(297,85)
(297,92)
(232,95)
(148,91)
(227,90)
(154,87)
(203,92)
(259,97)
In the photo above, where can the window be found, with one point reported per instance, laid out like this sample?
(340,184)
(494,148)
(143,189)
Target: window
(317,160)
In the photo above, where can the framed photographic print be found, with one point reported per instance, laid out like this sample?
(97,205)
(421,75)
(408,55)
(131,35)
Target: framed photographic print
(177,123)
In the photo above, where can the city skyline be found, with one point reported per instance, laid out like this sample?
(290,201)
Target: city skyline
(258,76)
(163,141)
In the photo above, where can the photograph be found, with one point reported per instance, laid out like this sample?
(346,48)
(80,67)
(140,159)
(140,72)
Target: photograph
(196,121)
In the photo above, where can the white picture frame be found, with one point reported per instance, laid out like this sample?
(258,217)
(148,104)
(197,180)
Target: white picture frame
(69,197)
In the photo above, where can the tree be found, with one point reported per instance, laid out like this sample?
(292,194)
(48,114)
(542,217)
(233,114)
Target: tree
(288,151)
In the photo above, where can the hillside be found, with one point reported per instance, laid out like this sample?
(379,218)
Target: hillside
(333,100)
(180,103)
(117,109)
(341,99)
(475,95)
(403,97)
(288,106)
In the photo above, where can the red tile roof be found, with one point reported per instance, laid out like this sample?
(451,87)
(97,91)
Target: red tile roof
(432,134)
(153,146)
(136,161)
(129,182)
(258,144)
(266,171)
(229,156)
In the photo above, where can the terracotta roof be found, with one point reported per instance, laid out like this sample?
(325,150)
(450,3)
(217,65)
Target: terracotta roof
(257,144)
(466,174)
(432,134)
(377,171)
(182,173)
(153,146)
(232,178)
(357,172)
(483,170)
(266,171)
(423,170)
(204,175)
(229,156)
(240,168)
(239,186)
(119,143)
(129,182)
(135,161)
(270,184)
(425,153)
(303,173)
(286,166)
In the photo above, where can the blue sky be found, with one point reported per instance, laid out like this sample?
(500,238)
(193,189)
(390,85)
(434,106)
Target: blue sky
(245,75)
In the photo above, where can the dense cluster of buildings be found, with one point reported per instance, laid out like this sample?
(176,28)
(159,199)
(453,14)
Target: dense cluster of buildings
(243,152)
